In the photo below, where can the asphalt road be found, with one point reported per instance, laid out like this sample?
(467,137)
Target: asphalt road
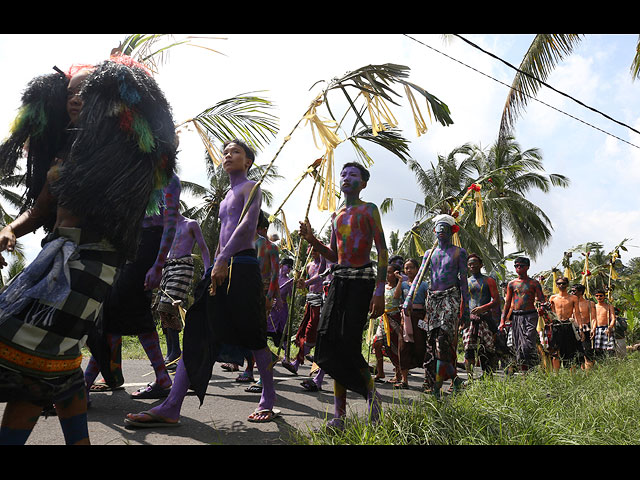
(222,419)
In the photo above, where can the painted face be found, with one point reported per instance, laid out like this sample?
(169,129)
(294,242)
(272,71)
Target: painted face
(474,266)
(351,180)
(521,268)
(285,269)
(443,230)
(74,101)
(234,158)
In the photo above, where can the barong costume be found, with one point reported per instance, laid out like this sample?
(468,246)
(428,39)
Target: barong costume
(122,149)
(441,324)
(47,312)
(223,326)
(342,323)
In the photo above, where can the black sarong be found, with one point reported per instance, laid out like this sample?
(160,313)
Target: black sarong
(235,316)
(128,308)
(342,322)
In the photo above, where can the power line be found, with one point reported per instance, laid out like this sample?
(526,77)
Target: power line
(533,98)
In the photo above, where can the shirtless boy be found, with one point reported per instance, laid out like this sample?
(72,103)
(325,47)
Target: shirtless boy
(355,290)
(564,344)
(229,307)
(586,324)
(603,334)
(520,303)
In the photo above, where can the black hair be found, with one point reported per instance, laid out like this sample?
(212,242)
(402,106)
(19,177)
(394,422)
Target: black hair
(42,120)
(579,287)
(476,256)
(414,261)
(287,261)
(364,173)
(522,260)
(251,155)
(599,290)
(263,221)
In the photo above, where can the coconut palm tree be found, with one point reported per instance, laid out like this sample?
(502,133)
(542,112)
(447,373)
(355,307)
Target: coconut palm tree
(511,174)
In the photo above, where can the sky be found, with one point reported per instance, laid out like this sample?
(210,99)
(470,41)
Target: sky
(599,206)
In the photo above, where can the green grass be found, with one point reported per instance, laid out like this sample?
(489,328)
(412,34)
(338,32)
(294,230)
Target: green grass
(600,407)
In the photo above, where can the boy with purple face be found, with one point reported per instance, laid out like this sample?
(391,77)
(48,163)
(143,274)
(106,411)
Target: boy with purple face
(520,302)
(447,298)
(177,275)
(229,307)
(357,289)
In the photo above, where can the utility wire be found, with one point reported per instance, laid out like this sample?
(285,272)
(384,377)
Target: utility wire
(533,98)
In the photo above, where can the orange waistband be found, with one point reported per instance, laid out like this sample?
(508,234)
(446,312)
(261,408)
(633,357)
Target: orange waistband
(37,364)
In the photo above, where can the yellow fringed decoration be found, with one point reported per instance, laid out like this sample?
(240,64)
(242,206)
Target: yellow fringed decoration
(419,248)
(555,285)
(456,240)
(287,235)
(327,136)
(481,220)
(379,113)
(326,195)
(371,330)
(387,327)
(585,276)
(421,126)
(569,274)
(612,272)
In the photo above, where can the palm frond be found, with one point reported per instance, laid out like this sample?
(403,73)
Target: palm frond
(244,116)
(152,50)
(544,53)
(635,64)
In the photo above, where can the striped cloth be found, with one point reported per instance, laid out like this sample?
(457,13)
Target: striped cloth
(45,336)
(177,275)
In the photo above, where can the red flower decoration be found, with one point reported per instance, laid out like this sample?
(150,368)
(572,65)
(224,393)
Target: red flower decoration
(475,186)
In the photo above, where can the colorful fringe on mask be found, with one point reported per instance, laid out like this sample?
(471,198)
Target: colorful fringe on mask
(123,155)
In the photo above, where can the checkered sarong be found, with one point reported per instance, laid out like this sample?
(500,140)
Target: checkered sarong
(44,338)
(177,275)
(602,341)
(476,334)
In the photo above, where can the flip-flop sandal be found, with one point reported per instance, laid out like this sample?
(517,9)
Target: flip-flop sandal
(289,367)
(229,367)
(401,385)
(155,422)
(245,378)
(255,388)
(152,390)
(271,415)
(310,386)
(104,387)
(379,380)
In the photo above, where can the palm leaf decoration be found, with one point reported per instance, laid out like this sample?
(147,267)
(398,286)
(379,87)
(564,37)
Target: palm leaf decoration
(544,53)
(152,49)
(635,64)
(244,116)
